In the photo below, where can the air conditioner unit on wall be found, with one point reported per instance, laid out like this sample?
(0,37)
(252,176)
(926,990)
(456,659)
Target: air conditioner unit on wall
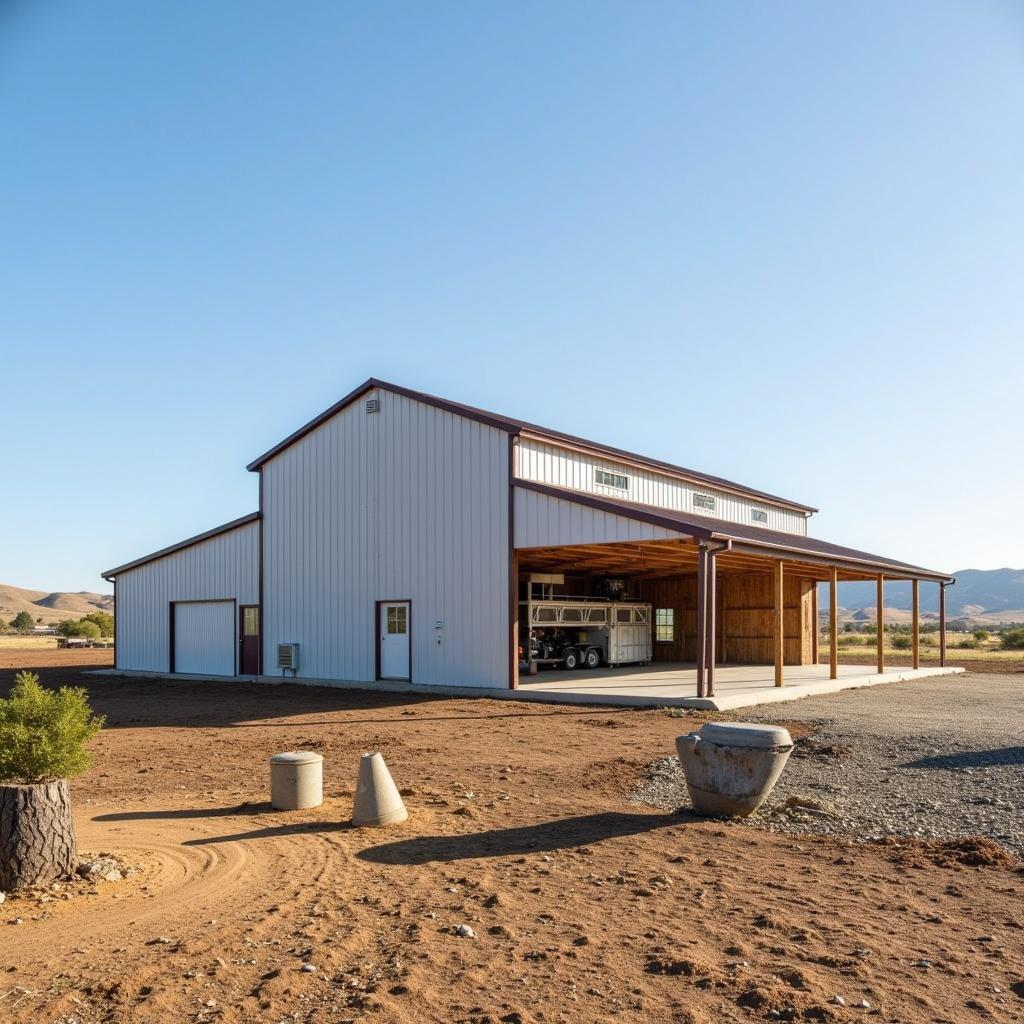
(288,657)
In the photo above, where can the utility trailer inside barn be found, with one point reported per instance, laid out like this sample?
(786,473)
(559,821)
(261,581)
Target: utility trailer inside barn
(618,633)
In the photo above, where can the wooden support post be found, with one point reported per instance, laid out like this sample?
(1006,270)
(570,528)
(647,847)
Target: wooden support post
(915,588)
(833,624)
(513,610)
(880,623)
(816,615)
(723,652)
(709,648)
(942,624)
(780,625)
(702,610)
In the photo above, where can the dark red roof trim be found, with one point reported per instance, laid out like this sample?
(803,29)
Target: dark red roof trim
(514,426)
(252,517)
(769,541)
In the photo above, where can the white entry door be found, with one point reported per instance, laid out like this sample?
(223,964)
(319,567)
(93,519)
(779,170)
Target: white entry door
(204,637)
(394,639)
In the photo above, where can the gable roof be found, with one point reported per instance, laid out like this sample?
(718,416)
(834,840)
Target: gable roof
(769,542)
(526,429)
(181,545)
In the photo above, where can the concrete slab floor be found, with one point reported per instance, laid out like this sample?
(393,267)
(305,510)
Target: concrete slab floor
(674,684)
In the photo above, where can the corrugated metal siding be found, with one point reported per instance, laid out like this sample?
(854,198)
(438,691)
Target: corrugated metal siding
(409,503)
(563,467)
(544,521)
(205,638)
(222,567)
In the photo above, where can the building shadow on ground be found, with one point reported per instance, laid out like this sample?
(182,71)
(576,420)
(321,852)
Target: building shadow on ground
(502,842)
(971,759)
(140,703)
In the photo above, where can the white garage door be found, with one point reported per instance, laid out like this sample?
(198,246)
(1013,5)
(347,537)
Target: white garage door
(204,637)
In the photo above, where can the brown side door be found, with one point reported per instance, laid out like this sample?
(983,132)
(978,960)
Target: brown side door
(249,640)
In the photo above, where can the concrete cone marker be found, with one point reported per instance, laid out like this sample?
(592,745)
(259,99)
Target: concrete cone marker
(377,801)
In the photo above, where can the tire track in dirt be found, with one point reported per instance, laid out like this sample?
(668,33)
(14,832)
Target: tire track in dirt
(189,877)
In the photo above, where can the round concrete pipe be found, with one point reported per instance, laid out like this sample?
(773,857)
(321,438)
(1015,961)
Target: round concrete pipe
(731,767)
(296,780)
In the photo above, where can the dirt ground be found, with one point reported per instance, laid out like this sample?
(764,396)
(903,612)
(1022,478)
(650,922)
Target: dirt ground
(583,907)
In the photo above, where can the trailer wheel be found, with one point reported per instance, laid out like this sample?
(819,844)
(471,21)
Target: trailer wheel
(591,659)
(571,659)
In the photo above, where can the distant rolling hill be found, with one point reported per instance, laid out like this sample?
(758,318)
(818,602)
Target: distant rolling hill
(983,595)
(51,606)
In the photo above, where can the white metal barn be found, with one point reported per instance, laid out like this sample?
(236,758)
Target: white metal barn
(408,540)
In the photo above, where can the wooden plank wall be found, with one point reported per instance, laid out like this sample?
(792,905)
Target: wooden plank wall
(745,615)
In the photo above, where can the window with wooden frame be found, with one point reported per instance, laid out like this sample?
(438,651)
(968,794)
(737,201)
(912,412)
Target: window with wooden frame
(664,625)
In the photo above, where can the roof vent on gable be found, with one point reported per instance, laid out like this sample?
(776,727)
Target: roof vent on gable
(373,405)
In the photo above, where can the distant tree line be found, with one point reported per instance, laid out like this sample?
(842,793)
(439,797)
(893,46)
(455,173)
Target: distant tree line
(1010,635)
(92,626)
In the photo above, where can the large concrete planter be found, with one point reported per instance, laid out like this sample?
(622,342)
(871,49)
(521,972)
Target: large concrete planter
(731,767)
(37,834)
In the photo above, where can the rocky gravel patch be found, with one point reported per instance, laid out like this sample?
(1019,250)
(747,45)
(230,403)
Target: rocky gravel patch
(904,775)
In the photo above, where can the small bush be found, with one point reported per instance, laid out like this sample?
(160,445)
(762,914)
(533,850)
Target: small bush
(981,635)
(902,642)
(43,732)
(929,640)
(1013,639)
(967,645)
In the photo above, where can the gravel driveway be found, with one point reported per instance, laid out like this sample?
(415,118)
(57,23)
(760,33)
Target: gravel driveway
(933,758)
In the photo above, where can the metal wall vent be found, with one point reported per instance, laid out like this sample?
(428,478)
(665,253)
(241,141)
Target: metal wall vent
(288,656)
(373,405)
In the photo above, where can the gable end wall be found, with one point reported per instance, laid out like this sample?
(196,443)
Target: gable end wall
(408,503)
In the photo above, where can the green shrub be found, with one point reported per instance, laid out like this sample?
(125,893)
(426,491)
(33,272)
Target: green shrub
(929,640)
(102,619)
(1013,639)
(83,627)
(902,642)
(43,732)
(967,645)
(981,635)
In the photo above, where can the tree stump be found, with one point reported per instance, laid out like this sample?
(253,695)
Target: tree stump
(37,834)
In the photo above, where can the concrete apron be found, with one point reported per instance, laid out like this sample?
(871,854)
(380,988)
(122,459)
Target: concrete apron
(724,702)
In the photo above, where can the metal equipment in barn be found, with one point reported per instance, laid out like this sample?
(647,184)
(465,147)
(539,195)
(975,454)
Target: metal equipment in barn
(587,632)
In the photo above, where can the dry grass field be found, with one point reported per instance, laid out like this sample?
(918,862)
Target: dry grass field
(984,656)
(584,907)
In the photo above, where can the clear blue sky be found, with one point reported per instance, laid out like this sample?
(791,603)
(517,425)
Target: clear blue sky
(783,243)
